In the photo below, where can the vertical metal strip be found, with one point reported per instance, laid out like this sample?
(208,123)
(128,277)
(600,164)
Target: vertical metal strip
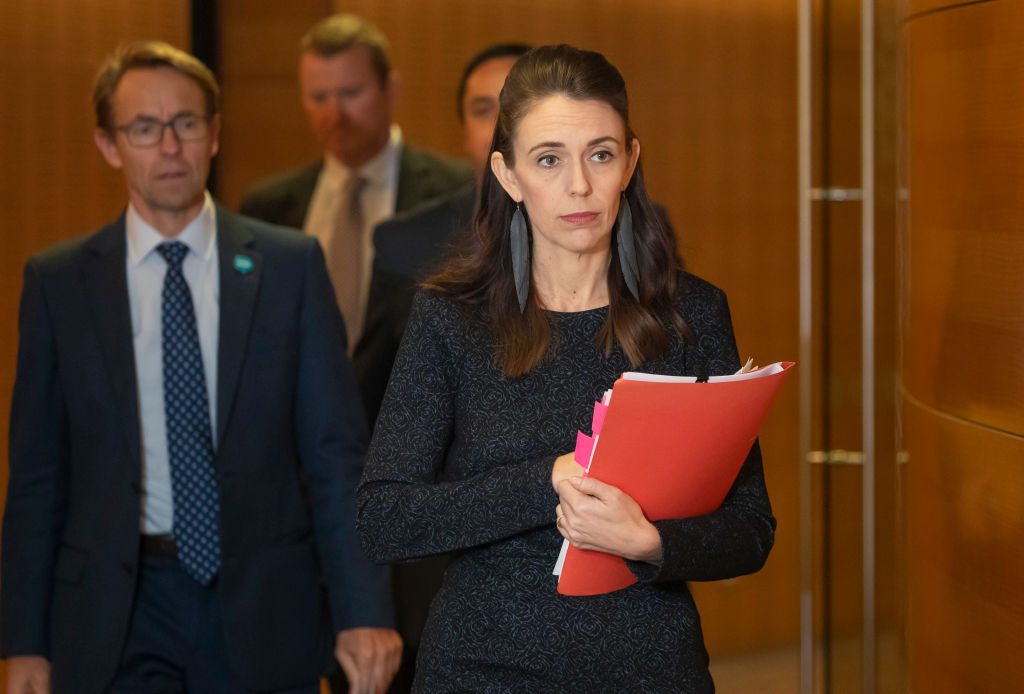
(804,77)
(867,150)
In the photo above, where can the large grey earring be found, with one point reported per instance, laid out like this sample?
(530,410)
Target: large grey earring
(520,256)
(627,248)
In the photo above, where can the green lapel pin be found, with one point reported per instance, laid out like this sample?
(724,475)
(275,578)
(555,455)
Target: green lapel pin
(243,264)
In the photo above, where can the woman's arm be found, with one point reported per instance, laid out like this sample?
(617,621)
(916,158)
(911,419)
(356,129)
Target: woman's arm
(735,538)
(405,507)
(732,540)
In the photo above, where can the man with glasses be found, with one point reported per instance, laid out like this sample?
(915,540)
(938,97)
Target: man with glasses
(148,132)
(186,435)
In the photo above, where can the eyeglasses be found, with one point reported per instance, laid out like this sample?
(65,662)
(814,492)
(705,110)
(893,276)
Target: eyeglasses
(147,132)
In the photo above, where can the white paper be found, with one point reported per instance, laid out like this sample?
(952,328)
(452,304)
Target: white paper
(661,378)
(561,558)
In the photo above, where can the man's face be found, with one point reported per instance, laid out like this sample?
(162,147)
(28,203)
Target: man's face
(480,108)
(169,177)
(348,109)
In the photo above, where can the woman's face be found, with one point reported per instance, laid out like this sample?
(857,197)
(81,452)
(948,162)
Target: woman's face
(571,164)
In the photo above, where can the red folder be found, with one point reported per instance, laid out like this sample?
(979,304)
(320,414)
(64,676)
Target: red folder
(675,446)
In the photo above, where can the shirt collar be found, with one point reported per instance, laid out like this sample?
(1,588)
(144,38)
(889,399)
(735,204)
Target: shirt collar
(199,235)
(379,171)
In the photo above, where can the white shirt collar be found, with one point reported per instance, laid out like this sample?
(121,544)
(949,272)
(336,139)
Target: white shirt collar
(199,235)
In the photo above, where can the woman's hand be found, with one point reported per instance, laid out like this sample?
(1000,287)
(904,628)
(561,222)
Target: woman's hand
(564,468)
(595,515)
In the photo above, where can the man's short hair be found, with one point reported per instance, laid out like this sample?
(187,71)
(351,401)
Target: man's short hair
(340,32)
(138,55)
(498,50)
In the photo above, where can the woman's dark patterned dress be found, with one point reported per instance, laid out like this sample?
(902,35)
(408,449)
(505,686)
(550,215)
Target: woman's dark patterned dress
(461,462)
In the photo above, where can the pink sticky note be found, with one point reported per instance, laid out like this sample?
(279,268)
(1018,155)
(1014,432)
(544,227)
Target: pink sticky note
(599,413)
(584,445)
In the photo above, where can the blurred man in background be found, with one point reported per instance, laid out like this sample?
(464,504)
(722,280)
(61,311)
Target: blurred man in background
(367,173)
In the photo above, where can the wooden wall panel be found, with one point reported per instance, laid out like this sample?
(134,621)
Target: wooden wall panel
(965,337)
(264,127)
(964,348)
(919,7)
(53,182)
(965,523)
(713,97)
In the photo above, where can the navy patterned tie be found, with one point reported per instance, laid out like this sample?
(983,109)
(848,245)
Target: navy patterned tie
(189,442)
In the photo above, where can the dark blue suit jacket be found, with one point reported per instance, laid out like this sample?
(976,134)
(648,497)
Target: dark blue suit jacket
(290,444)
(407,249)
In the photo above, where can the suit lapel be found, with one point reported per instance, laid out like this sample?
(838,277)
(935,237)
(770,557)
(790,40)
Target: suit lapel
(422,177)
(241,268)
(106,285)
(300,195)
(411,174)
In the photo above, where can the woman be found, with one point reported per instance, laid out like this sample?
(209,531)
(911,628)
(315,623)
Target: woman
(569,279)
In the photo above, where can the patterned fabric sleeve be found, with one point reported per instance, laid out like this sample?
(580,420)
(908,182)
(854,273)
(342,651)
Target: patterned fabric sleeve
(406,507)
(735,538)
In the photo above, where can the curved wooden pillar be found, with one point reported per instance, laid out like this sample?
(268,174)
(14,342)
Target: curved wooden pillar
(964,347)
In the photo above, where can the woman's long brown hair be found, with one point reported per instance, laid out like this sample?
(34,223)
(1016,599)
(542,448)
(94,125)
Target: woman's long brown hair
(480,270)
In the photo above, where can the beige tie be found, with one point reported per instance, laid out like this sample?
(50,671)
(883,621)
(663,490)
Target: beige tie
(345,257)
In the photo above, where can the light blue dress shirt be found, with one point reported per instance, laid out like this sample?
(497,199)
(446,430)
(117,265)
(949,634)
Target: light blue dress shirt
(146,268)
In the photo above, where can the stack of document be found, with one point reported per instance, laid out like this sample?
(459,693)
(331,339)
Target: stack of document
(672,444)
